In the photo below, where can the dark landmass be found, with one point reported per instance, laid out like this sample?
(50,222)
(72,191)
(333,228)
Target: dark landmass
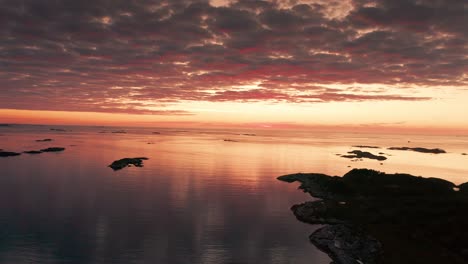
(8,154)
(422,150)
(58,129)
(374,217)
(347,245)
(464,154)
(54,149)
(357,154)
(150,143)
(119,132)
(5,125)
(230,140)
(44,140)
(102,132)
(156,133)
(364,146)
(33,152)
(250,135)
(127,162)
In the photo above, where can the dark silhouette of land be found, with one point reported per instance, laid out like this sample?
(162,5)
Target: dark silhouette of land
(8,154)
(357,154)
(53,149)
(374,217)
(127,162)
(44,140)
(422,150)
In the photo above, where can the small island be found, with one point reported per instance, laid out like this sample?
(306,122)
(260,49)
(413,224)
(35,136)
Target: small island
(419,149)
(119,132)
(53,149)
(58,129)
(127,162)
(357,154)
(8,154)
(33,152)
(373,217)
(365,146)
(44,140)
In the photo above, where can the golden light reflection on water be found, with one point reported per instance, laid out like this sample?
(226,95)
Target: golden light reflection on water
(207,199)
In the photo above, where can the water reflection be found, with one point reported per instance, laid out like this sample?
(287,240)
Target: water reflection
(199,199)
(192,203)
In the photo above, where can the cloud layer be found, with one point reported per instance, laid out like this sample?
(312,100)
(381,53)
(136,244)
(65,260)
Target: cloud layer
(133,56)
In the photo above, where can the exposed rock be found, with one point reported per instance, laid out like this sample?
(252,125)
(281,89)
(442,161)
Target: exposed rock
(422,150)
(363,154)
(5,125)
(156,133)
(33,152)
(364,146)
(44,140)
(464,154)
(423,219)
(346,245)
(127,162)
(230,140)
(54,149)
(249,134)
(58,129)
(8,154)
(119,132)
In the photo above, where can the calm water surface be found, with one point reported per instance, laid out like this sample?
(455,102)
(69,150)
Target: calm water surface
(198,199)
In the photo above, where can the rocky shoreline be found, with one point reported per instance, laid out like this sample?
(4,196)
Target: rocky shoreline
(374,217)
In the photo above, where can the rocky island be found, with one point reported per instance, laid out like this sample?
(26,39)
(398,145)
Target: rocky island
(374,217)
(422,150)
(8,154)
(127,162)
(53,149)
(357,154)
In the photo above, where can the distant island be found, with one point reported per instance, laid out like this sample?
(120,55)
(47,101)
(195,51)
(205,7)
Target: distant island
(127,162)
(357,154)
(422,150)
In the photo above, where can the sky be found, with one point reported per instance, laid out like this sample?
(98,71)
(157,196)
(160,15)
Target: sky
(381,64)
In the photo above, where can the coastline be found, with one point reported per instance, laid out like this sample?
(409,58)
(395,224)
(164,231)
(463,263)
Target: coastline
(374,217)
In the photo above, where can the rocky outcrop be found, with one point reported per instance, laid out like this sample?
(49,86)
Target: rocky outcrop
(357,154)
(8,154)
(53,149)
(414,219)
(347,245)
(33,152)
(44,140)
(422,150)
(127,162)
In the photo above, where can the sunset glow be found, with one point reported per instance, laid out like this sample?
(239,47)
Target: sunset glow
(393,64)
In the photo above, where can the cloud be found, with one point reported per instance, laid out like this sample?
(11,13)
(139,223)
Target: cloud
(121,55)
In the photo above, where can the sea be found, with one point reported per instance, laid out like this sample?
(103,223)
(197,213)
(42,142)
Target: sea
(204,196)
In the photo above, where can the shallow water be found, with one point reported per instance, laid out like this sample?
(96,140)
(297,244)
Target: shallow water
(198,199)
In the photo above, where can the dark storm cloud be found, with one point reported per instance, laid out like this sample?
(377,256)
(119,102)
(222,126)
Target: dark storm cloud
(126,56)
